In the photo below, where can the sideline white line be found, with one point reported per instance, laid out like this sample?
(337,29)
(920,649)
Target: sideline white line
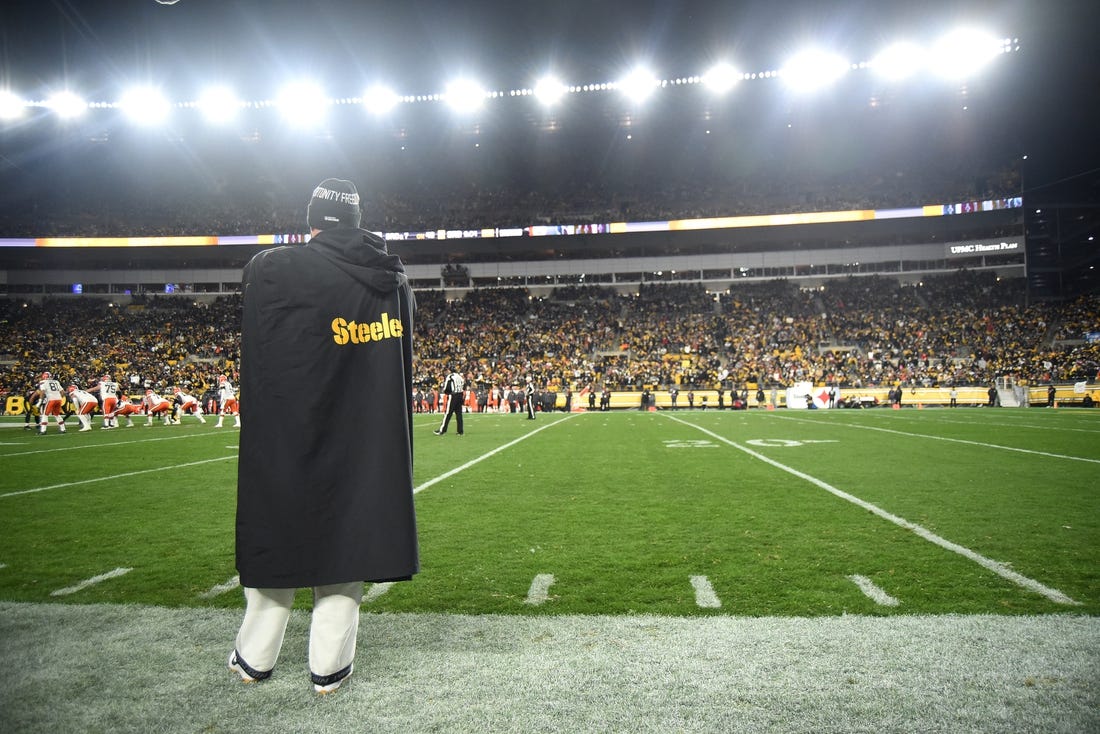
(220,589)
(483,457)
(943,438)
(872,591)
(988,563)
(91,582)
(980,424)
(105,445)
(704,593)
(540,589)
(116,476)
(377,590)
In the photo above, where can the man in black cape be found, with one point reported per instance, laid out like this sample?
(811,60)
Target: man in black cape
(324,485)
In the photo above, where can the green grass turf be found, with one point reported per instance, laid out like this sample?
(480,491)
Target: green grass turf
(621,508)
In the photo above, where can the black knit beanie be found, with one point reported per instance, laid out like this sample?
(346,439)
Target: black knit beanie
(335,203)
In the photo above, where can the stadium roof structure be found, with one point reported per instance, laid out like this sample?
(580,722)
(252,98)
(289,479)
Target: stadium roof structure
(633,91)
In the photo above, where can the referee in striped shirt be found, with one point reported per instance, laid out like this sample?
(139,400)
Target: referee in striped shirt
(454,388)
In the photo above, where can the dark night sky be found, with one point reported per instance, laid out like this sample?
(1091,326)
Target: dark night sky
(415,46)
(423,40)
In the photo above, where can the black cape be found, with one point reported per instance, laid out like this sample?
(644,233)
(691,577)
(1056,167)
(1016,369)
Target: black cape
(324,485)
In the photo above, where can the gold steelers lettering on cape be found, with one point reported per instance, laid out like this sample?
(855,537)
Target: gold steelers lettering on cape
(365,332)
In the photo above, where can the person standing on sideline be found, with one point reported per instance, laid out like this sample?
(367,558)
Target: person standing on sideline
(454,388)
(1051,392)
(529,399)
(954,396)
(325,475)
(673,393)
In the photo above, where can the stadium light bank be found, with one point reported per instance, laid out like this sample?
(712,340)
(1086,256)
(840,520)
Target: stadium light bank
(957,56)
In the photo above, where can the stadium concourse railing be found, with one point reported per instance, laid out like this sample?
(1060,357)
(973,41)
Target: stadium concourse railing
(809,247)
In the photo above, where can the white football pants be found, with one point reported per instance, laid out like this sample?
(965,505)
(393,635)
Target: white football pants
(332,632)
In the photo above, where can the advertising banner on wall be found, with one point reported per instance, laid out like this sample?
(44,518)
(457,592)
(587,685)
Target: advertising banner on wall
(803,396)
(1010,246)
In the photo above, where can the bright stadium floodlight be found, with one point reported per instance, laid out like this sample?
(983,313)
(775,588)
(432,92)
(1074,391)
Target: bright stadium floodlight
(219,105)
(302,103)
(12,106)
(67,105)
(380,99)
(638,85)
(549,90)
(721,77)
(145,105)
(964,52)
(464,95)
(900,61)
(813,70)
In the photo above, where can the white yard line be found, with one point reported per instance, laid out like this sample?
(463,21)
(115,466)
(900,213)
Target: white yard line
(704,593)
(105,445)
(539,591)
(113,477)
(873,592)
(988,563)
(485,456)
(981,424)
(943,438)
(91,582)
(220,589)
(377,590)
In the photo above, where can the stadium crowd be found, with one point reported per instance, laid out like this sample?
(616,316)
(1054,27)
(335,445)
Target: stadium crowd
(967,328)
(171,206)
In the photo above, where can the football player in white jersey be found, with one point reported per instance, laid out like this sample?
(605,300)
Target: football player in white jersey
(51,399)
(156,405)
(186,404)
(85,404)
(108,396)
(227,400)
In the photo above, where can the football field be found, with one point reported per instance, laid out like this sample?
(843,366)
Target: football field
(897,522)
